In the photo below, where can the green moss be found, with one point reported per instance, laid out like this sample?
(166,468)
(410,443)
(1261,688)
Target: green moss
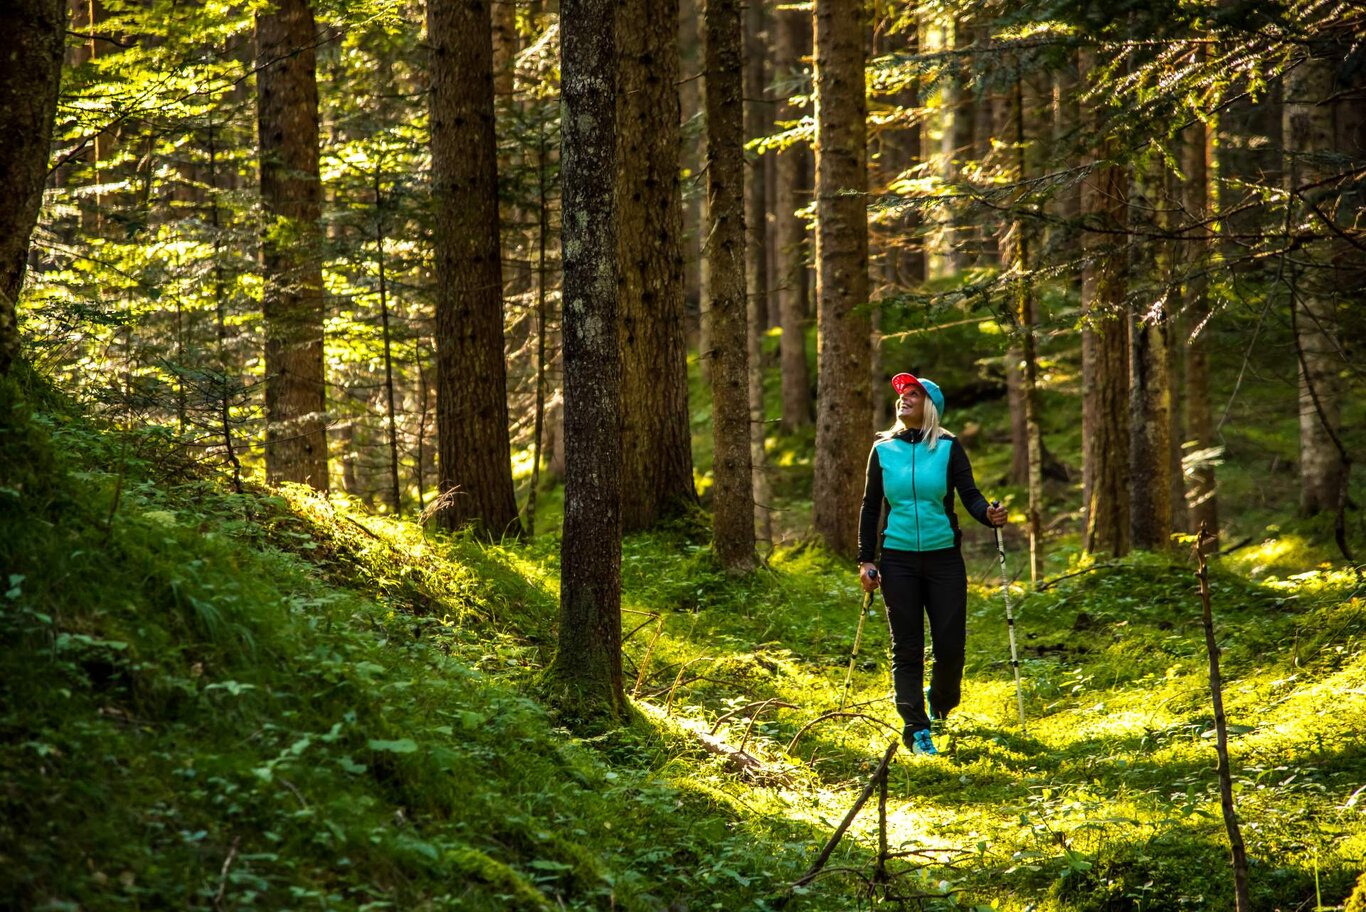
(479,867)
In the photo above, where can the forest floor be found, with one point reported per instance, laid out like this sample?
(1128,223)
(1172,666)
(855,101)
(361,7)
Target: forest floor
(257,700)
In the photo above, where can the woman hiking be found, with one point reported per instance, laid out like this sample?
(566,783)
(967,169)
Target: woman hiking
(915,467)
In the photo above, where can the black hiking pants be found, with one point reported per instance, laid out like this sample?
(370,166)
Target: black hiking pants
(916,584)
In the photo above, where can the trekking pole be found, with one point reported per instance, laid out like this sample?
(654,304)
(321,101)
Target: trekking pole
(858,637)
(1010,619)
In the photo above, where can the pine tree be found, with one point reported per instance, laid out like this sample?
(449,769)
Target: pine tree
(657,464)
(585,678)
(1105,347)
(732,469)
(792,42)
(291,257)
(472,417)
(1309,133)
(844,407)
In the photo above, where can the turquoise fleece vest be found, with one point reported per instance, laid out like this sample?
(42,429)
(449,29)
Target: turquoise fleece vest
(915,483)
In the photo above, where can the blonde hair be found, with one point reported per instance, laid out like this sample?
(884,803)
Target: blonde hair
(929,425)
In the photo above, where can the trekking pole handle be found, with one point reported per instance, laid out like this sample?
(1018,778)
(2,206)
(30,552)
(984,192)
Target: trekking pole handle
(871,573)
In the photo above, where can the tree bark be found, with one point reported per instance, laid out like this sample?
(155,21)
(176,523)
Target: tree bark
(1105,348)
(732,468)
(585,678)
(1202,499)
(693,156)
(291,255)
(1015,250)
(1309,132)
(1150,514)
(844,410)
(503,15)
(657,464)
(792,41)
(758,118)
(904,256)
(30,78)
(472,415)
(1065,239)
(958,145)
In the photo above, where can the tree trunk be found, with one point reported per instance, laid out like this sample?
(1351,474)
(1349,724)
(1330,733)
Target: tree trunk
(585,678)
(958,145)
(542,316)
(1150,514)
(1105,350)
(291,255)
(843,411)
(1065,239)
(1309,133)
(1202,494)
(30,77)
(656,443)
(395,490)
(503,14)
(693,156)
(904,254)
(792,42)
(758,118)
(471,411)
(732,468)
(1015,250)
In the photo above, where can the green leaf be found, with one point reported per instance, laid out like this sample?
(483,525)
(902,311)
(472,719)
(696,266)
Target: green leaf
(401,746)
(350,766)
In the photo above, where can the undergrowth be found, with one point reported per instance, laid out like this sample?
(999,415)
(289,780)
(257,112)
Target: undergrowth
(274,700)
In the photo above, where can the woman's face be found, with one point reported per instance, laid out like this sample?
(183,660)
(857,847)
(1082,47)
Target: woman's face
(910,407)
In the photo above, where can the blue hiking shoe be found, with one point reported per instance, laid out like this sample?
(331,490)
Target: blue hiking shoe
(922,743)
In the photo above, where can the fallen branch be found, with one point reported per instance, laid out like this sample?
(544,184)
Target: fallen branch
(838,713)
(1235,836)
(738,760)
(649,652)
(1047,584)
(761,705)
(834,840)
(669,702)
(223,874)
(741,762)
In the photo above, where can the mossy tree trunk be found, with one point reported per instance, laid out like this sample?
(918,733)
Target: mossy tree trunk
(291,244)
(732,468)
(584,680)
(471,411)
(30,76)
(657,479)
(844,407)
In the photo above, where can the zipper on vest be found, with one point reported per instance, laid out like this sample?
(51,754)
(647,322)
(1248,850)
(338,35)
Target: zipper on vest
(915,493)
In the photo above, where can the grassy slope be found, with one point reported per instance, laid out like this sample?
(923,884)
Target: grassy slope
(251,701)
